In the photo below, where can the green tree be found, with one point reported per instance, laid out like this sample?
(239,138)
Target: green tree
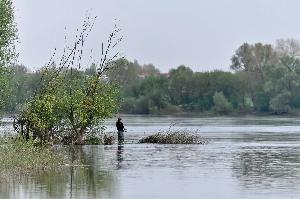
(201,85)
(150,96)
(253,58)
(221,104)
(4,87)
(19,91)
(280,103)
(69,104)
(250,61)
(125,74)
(282,81)
(8,35)
(8,32)
(179,85)
(150,69)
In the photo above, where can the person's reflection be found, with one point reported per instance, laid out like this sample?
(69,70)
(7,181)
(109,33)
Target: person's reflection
(120,155)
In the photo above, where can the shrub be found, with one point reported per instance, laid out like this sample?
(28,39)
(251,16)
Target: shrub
(108,139)
(103,138)
(176,137)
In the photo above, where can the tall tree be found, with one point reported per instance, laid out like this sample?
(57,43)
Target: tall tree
(283,80)
(288,47)
(125,74)
(253,58)
(8,35)
(180,81)
(250,60)
(150,69)
(67,105)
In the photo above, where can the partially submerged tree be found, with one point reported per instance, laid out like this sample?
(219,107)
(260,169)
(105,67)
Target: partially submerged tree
(68,105)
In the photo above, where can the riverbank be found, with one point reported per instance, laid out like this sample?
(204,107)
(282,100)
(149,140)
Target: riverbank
(8,118)
(235,113)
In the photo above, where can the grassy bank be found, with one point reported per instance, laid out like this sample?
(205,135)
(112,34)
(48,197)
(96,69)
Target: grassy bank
(18,157)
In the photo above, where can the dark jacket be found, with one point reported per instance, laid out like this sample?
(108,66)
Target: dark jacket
(120,126)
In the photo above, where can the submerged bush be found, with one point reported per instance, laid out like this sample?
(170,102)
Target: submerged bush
(23,157)
(175,137)
(108,139)
(105,138)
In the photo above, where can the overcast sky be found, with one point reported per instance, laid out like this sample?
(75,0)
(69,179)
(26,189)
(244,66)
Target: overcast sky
(197,33)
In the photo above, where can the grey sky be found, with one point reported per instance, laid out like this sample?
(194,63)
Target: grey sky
(200,34)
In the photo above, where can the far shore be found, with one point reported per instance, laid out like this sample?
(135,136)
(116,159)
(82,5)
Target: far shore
(7,118)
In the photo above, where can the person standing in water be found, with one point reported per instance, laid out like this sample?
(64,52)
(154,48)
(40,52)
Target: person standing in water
(121,129)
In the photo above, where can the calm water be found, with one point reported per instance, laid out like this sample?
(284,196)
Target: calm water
(249,157)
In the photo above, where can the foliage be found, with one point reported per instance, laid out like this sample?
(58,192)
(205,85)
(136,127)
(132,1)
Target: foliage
(254,57)
(18,156)
(58,113)
(283,80)
(280,103)
(221,104)
(8,35)
(4,82)
(180,78)
(157,94)
(69,103)
(266,79)
(126,74)
(8,32)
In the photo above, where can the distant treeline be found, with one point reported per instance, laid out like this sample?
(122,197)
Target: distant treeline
(264,78)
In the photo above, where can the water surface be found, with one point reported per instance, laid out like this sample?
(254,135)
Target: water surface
(247,157)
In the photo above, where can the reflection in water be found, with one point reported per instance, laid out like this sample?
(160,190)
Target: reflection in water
(120,156)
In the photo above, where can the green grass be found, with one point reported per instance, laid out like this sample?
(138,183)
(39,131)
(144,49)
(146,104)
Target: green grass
(18,157)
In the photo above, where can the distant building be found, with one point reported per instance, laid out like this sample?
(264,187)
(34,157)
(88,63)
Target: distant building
(143,74)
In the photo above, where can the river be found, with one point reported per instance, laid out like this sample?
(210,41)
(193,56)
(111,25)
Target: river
(246,157)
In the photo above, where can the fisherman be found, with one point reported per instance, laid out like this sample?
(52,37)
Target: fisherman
(121,129)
